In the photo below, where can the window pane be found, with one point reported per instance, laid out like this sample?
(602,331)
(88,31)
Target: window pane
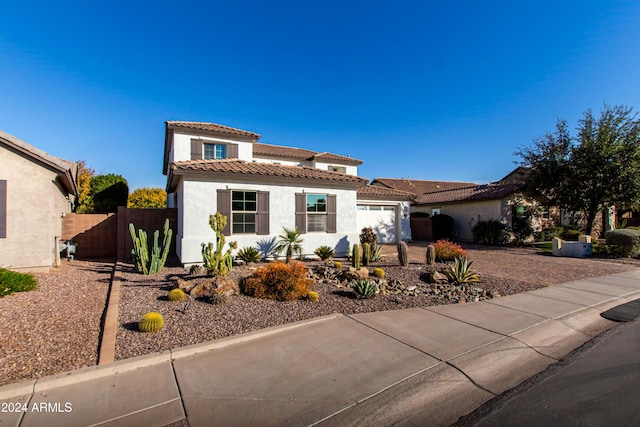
(244,223)
(221,151)
(375,208)
(237,206)
(387,208)
(362,208)
(250,195)
(209,152)
(316,223)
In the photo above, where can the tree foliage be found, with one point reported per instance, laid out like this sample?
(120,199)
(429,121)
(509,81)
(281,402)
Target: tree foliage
(147,198)
(108,192)
(596,169)
(84,203)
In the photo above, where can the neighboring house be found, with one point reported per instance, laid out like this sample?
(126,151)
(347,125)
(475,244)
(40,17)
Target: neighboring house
(262,188)
(418,186)
(468,205)
(36,191)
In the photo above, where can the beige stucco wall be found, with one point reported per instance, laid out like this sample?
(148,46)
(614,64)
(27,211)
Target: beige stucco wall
(466,215)
(35,205)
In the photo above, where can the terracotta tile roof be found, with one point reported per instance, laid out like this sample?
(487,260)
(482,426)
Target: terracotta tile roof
(282,152)
(419,186)
(212,127)
(376,192)
(241,168)
(66,170)
(477,192)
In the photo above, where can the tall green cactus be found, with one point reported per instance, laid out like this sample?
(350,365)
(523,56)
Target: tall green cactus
(140,252)
(403,254)
(218,263)
(355,256)
(366,254)
(431,255)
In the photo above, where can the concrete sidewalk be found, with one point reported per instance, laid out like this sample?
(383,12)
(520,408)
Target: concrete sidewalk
(421,366)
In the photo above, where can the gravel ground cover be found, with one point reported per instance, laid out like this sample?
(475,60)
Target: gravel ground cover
(506,271)
(56,327)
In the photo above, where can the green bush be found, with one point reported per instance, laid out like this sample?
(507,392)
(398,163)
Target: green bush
(490,232)
(570,232)
(12,281)
(625,242)
(324,252)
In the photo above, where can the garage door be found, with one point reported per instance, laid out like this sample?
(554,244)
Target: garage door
(382,219)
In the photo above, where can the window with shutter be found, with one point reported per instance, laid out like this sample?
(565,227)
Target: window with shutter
(316,213)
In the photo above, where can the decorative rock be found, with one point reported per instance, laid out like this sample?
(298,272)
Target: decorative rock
(225,286)
(436,277)
(411,288)
(202,290)
(186,286)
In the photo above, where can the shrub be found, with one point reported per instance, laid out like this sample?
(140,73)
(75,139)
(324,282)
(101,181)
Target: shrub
(461,273)
(448,251)
(368,236)
(176,295)
(570,232)
(364,289)
(279,281)
(312,296)
(249,254)
(324,252)
(12,281)
(626,242)
(338,264)
(379,273)
(151,322)
(490,232)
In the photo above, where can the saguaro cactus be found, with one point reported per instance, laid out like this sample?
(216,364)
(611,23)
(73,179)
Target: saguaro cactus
(140,253)
(355,256)
(366,254)
(431,255)
(403,254)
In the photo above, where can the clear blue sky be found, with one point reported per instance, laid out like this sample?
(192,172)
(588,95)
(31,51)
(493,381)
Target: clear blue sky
(442,90)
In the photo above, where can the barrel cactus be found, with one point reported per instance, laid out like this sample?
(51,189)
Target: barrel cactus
(378,272)
(403,254)
(176,295)
(218,298)
(151,322)
(312,296)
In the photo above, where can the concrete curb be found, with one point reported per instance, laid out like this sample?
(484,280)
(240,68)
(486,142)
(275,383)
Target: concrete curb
(110,326)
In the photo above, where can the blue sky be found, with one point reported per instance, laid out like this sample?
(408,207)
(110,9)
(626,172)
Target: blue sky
(419,89)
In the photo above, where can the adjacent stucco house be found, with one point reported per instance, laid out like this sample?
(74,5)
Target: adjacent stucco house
(36,191)
(262,188)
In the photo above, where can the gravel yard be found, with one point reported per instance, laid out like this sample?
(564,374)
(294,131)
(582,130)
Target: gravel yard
(506,271)
(56,327)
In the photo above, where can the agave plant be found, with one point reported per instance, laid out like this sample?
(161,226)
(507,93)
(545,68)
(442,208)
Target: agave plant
(461,272)
(364,289)
(324,252)
(249,254)
(376,252)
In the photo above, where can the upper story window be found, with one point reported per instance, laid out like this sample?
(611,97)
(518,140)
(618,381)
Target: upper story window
(215,151)
(339,169)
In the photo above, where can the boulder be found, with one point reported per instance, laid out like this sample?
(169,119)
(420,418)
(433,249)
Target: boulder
(185,285)
(203,290)
(226,286)
(436,277)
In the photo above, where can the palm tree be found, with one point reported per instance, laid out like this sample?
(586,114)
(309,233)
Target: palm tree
(290,242)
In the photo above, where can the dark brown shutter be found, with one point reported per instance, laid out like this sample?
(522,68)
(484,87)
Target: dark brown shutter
(331,213)
(262,214)
(3,208)
(224,207)
(232,151)
(301,212)
(196,149)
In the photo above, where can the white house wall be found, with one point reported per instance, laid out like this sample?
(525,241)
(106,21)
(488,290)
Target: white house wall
(181,149)
(350,170)
(198,200)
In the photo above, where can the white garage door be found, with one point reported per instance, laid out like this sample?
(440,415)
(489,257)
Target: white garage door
(382,219)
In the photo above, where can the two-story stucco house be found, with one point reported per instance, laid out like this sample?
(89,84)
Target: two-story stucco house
(262,188)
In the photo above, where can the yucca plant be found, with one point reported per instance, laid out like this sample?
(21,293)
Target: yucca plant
(290,243)
(324,252)
(364,289)
(249,254)
(375,253)
(461,273)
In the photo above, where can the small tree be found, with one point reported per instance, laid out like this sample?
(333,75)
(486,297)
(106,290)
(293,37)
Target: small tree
(84,203)
(108,192)
(147,198)
(289,242)
(597,169)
